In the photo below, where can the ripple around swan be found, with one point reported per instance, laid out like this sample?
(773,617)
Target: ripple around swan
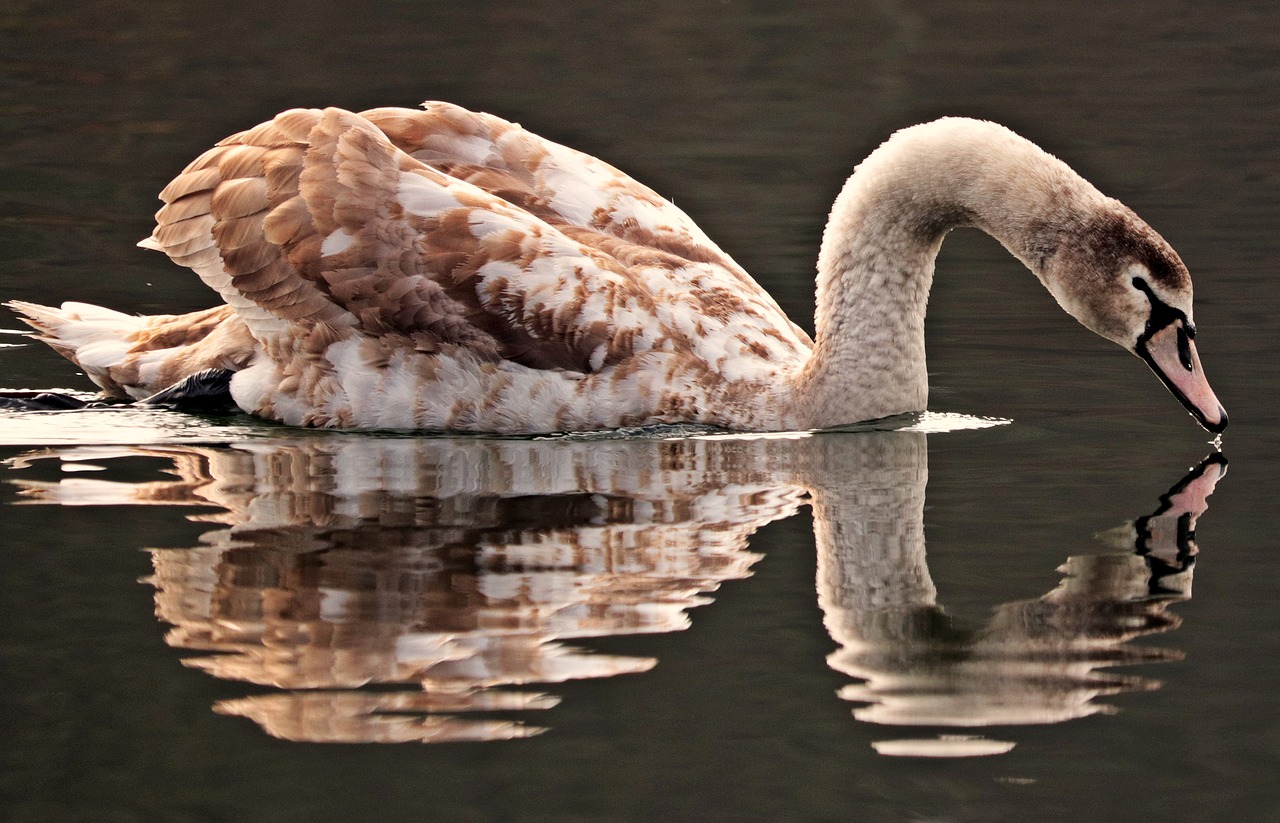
(125,425)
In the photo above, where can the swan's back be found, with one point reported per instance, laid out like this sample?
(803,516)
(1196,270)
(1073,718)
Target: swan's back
(446,235)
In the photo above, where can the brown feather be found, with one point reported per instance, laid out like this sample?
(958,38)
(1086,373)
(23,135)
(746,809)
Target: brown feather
(175,233)
(197,242)
(249,258)
(239,198)
(238,232)
(241,161)
(190,182)
(269,276)
(289,128)
(197,259)
(288,222)
(281,168)
(193,205)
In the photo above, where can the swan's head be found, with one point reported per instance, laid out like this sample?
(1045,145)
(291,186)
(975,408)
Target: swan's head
(1119,278)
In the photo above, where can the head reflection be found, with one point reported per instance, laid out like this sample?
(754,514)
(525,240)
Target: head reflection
(1035,661)
(343,566)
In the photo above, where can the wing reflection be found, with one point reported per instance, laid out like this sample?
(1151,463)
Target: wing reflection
(341,566)
(455,565)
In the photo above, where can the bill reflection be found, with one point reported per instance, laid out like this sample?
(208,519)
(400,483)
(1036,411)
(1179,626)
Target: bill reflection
(1036,661)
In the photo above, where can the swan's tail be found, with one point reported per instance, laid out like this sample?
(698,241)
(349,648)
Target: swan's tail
(135,357)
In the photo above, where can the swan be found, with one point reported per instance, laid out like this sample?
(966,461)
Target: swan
(445,269)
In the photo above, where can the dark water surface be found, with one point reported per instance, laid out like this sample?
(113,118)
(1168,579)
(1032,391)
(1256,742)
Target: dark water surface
(221,619)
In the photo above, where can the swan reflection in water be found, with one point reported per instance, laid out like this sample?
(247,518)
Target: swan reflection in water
(462,565)
(1035,661)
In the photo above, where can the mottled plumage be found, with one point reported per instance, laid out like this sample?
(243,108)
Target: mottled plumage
(445,269)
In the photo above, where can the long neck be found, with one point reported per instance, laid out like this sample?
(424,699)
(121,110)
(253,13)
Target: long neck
(876,264)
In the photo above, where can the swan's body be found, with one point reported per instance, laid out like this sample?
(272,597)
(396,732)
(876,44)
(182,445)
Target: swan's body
(444,269)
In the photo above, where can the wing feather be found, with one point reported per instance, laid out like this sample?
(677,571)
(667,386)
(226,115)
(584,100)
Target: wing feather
(193,182)
(185,207)
(172,235)
(446,228)
(239,232)
(238,197)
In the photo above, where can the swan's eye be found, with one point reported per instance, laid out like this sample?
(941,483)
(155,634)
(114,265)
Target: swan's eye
(1184,348)
(1162,315)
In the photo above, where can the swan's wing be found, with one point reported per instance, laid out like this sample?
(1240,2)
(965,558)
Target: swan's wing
(563,187)
(215,221)
(315,220)
(568,189)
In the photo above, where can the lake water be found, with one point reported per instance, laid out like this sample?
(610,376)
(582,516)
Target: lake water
(1046,599)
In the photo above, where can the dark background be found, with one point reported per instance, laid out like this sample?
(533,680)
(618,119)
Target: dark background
(750,116)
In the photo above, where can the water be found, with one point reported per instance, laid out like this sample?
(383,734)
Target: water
(666,625)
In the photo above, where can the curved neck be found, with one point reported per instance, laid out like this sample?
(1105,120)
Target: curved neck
(878,251)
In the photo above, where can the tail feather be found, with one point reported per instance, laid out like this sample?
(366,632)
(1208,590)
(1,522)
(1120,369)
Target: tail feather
(49,320)
(77,329)
(131,356)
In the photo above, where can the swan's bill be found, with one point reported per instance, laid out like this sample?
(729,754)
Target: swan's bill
(1171,354)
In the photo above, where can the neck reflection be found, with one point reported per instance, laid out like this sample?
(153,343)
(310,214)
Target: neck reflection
(1036,661)
(342,566)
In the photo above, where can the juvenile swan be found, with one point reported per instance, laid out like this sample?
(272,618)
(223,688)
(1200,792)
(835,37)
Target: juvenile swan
(446,269)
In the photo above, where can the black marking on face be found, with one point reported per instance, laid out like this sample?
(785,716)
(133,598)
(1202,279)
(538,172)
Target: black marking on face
(1162,314)
(1184,348)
